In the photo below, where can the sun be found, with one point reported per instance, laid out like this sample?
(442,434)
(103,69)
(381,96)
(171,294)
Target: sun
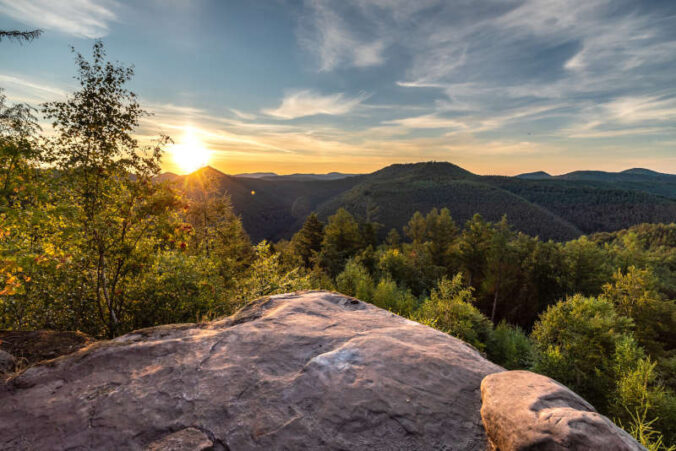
(190,154)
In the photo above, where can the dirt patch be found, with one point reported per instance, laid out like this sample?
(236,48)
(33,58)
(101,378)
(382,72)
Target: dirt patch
(34,346)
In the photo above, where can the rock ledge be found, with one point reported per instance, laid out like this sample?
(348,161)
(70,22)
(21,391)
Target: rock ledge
(312,370)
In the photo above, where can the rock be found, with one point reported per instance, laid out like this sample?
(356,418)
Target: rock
(526,411)
(37,345)
(7,362)
(188,439)
(312,370)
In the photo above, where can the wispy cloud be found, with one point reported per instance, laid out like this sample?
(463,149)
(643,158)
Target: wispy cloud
(428,121)
(309,103)
(242,114)
(327,35)
(32,91)
(83,18)
(514,63)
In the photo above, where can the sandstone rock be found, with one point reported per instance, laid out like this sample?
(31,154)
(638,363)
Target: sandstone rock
(7,362)
(526,411)
(314,370)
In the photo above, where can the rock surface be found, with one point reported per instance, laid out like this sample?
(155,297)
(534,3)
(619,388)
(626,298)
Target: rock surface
(526,411)
(313,370)
(188,439)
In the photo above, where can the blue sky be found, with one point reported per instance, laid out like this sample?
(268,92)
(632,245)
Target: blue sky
(498,87)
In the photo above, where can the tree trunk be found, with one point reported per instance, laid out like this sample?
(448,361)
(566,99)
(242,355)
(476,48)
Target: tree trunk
(495,304)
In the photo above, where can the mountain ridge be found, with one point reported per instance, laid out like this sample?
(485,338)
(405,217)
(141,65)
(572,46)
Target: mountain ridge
(555,207)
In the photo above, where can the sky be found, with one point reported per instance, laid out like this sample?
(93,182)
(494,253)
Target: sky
(497,87)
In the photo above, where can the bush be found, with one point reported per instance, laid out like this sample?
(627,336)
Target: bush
(355,280)
(389,296)
(640,399)
(176,288)
(450,310)
(575,341)
(510,347)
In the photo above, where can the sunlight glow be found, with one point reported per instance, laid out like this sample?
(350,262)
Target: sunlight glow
(189,154)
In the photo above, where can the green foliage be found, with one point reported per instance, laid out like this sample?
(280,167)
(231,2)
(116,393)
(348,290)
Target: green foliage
(635,296)
(342,240)
(393,238)
(575,341)
(473,249)
(91,240)
(642,430)
(355,280)
(587,266)
(307,242)
(266,276)
(639,396)
(176,288)
(389,296)
(510,347)
(450,309)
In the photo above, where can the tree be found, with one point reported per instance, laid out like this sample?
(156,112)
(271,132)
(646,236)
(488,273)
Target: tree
(112,201)
(473,249)
(355,280)
(544,273)
(441,233)
(217,232)
(307,242)
(450,310)
(416,229)
(510,347)
(635,296)
(587,266)
(393,238)
(266,276)
(22,205)
(576,340)
(389,296)
(342,239)
(19,151)
(501,265)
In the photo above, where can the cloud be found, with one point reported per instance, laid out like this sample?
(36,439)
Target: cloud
(310,103)
(427,121)
(524,63)
(82,18)
(328,36)
(32,91)
(243,115)
(625,116)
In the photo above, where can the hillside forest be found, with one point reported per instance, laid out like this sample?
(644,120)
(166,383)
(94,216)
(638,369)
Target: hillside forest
(93,239)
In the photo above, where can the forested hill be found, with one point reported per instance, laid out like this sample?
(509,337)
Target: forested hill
(635,179)
(557,207)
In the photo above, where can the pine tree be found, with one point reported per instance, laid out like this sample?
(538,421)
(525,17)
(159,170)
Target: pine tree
(342,240)
(416,229)
(307,242)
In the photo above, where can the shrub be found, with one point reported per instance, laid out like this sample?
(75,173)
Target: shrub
(575,341)
(450,310)
(510,347)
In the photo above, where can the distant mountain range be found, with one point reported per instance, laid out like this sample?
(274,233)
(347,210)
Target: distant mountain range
(300,177)
(638,179)
(557,207)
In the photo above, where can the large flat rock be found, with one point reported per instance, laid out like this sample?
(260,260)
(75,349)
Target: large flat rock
(313,370)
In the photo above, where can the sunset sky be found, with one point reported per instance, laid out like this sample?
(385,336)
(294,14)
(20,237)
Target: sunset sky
(497,87)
